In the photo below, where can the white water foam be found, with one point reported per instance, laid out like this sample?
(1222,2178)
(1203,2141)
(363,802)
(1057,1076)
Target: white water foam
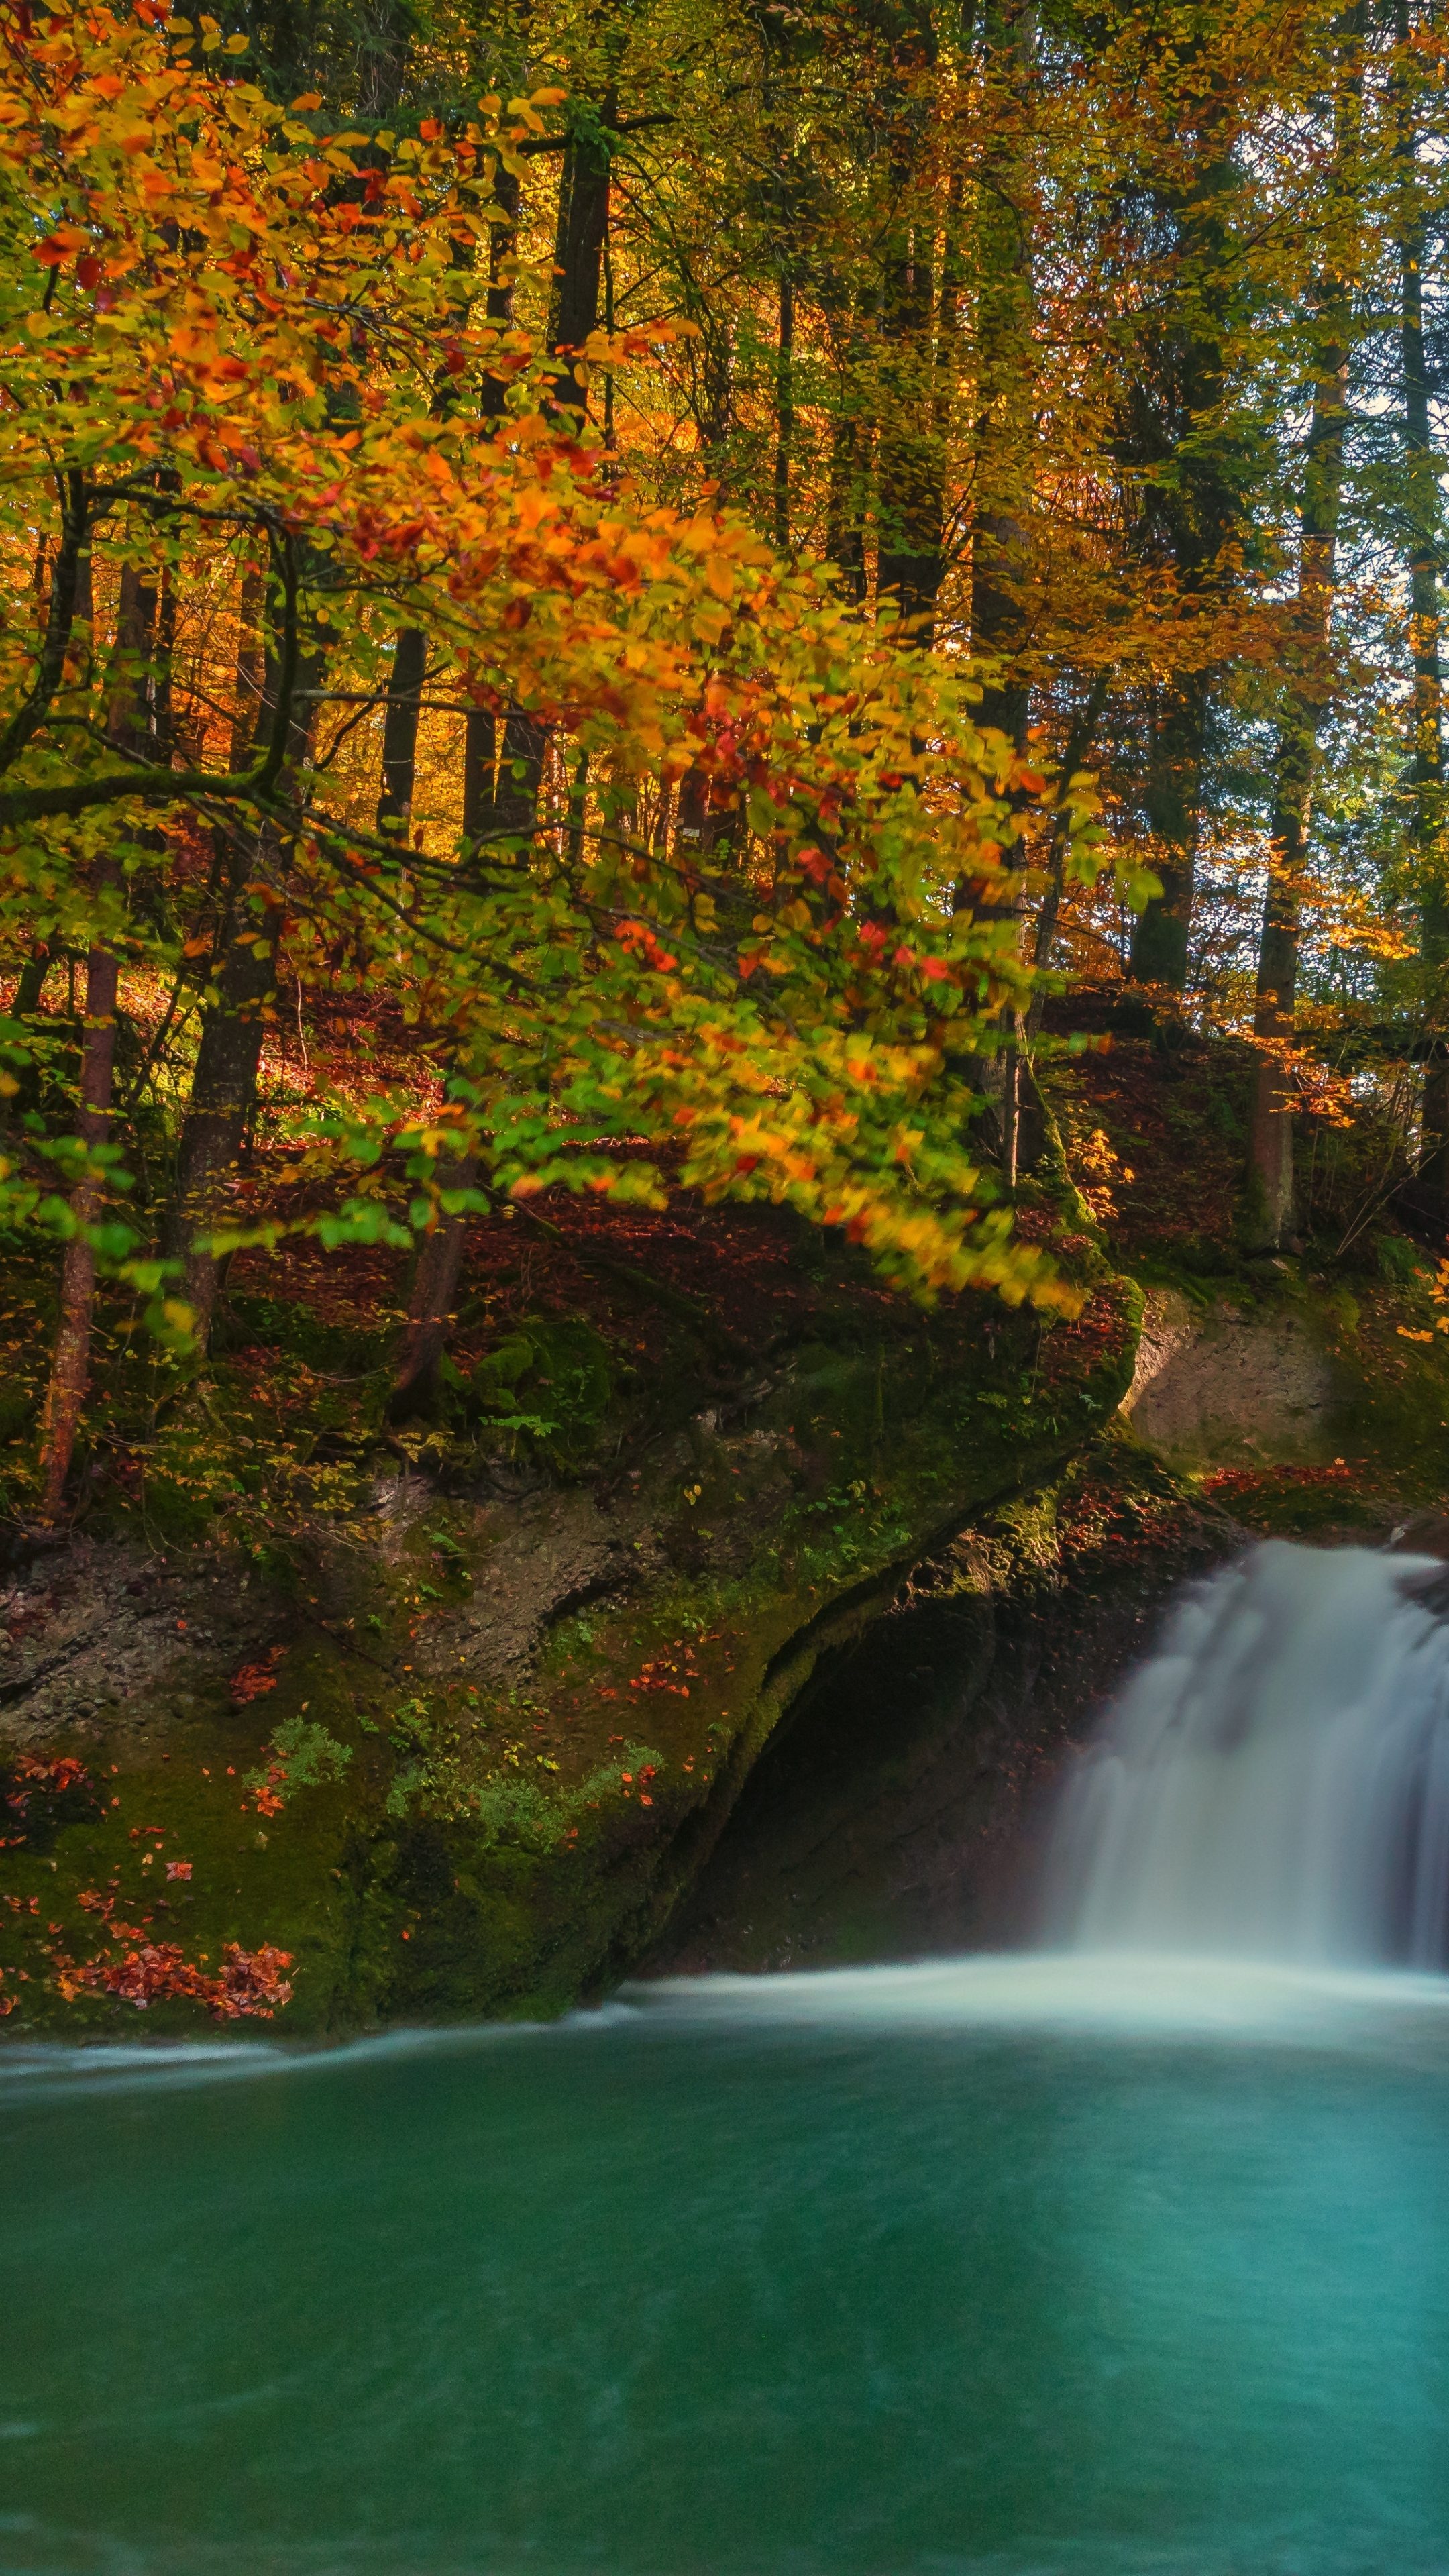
(1103,1993)
(1274,1781)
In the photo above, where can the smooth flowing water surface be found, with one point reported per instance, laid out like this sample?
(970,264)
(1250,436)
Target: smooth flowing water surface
(1006,2267)
(1125,2258)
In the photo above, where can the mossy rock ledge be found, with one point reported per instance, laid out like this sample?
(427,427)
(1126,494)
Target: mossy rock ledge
(462,1753)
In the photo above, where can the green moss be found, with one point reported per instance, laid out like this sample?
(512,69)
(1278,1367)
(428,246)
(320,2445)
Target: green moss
(443,1849)
(1397,1260)
(552,1381)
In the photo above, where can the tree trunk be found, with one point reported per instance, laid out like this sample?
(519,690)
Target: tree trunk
(1426,749)
(223,1093)
(784,409)
(224,1084)
(845,503)
(503,242)
(480,729)
(1173,799)
(1005,374)
(400,731)
(1270,1153)
(510,811)
(911,471)
(1271,1140)
(583,222)
(432,1305)
(910,453)
(507,811)
(130,700)
(1182,452)
(1078,749)
(480,755)
(70,1366)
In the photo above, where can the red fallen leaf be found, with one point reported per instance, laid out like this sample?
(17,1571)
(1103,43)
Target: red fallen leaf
(178,1869)
(251,1983)
(251,1681)
(268,1803)
(64,1773)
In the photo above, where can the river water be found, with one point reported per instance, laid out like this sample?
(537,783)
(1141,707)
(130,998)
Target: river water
(1100,2267)
(1109,2260)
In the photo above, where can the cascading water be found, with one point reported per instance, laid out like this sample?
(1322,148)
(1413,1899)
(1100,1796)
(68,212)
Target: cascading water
(1274,1781)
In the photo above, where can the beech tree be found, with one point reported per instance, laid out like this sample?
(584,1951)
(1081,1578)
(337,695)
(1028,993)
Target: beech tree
(265,424)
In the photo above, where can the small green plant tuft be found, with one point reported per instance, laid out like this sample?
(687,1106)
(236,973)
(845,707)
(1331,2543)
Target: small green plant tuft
(309,1754)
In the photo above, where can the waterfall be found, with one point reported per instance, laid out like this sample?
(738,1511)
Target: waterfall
(1274,1781)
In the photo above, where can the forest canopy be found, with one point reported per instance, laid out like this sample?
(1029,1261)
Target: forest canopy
(684,599)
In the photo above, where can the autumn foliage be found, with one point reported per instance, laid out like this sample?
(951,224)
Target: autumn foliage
(263,444)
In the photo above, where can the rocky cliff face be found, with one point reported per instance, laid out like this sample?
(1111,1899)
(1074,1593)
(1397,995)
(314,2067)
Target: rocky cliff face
(465,1751)
(779,1669)
(894,1811)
